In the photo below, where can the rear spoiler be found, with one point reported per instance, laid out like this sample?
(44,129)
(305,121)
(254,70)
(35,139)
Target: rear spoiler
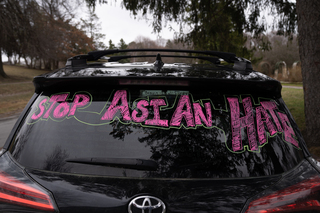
(240,64)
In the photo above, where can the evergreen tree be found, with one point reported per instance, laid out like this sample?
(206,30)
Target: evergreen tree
(218,25)
(111,45)
(122,45)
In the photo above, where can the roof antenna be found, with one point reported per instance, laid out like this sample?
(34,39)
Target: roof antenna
(158,64)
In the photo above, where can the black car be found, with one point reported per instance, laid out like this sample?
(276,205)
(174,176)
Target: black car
(102,136)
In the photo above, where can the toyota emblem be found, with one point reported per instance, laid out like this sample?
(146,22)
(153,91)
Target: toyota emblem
(146,204)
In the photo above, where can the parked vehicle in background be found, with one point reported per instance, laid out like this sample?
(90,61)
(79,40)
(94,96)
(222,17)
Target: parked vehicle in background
(102,136)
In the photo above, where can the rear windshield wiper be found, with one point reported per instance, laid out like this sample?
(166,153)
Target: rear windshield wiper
(130,163)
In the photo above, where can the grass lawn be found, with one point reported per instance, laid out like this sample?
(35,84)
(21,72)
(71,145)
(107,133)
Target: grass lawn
(16,91)
(295,103)
(14,88)
(10,105)
(292,84)
(20,74)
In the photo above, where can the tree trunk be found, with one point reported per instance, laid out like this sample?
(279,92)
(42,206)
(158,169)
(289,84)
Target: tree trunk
(309,49)
(2,73)
(40,64)
(26,61)
(49,64)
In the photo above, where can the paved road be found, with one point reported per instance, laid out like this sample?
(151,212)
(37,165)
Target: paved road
(5,128)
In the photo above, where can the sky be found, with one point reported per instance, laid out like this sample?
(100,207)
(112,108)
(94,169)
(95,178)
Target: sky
(117,23)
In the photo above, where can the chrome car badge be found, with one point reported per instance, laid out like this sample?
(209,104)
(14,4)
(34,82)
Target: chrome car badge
(146,204)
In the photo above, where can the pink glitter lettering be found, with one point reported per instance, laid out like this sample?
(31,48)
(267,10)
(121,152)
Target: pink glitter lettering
(198,114)
(271,106)
(76,103)
(263,117)
(54,99)
(268,119)
(61,110)
(237,123)
(113,109)
(289,134)
(249,123)
(141,106)
(156,121)
(180,113)
(42,108)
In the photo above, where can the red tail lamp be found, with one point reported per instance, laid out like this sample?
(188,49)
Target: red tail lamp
(16,192)
(301,197)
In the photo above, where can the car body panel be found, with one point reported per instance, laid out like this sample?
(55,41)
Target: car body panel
(100,194)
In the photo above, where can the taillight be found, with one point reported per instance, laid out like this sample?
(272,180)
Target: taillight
(18,193)
(301,197)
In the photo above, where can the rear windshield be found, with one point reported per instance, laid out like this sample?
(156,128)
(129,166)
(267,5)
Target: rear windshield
(157,133)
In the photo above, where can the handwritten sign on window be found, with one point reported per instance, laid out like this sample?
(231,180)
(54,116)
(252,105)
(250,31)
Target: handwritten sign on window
(259,121)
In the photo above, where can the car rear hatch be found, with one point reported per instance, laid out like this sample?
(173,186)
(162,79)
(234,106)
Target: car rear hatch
(81,193)
(199,144)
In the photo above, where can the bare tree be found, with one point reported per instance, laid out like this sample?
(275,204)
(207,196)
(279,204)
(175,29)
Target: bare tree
(92,28)
(13,28)
(271,49)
